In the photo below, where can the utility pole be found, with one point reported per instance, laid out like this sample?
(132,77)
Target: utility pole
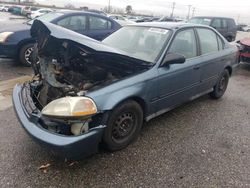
(193,11)
(109,6)
(238,18)
(189,8)
(173,7)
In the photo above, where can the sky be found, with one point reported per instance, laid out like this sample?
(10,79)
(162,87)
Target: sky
(239,10)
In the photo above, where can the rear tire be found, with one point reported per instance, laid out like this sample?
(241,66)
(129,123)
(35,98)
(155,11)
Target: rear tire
(123,125)
(221,86)
(25,54)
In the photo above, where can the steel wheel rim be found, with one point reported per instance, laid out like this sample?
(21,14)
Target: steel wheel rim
(123,127)
(222,84)
(27,54)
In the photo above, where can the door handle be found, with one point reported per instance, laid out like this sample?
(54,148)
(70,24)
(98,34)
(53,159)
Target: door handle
(196,67)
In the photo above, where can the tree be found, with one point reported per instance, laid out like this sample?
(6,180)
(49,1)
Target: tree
(129,9)
(69,6)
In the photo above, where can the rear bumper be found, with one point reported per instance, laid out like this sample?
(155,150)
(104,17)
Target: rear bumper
(65,146)
(8,50)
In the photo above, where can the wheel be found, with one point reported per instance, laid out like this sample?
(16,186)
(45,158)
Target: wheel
(221,86)
(25,54)
(229,39)
(123,125)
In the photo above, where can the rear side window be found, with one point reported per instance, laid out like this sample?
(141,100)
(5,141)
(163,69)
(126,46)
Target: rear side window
(220,43)
(96,23)
(224,23)
(216,23)
(184,43)
(231,23)
(75,23)
(208,40)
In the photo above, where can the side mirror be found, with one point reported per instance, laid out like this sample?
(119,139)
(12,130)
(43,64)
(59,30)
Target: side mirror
(173,58)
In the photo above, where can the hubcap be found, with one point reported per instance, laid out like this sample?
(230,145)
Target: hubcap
(123,126)
(222,84)
(27,55)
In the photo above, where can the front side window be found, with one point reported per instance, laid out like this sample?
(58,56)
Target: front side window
(47,17)
(145,43)
(184,43)
(96,23)
(208,40)
(75,23)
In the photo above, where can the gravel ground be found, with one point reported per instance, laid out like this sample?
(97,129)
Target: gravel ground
(202,144)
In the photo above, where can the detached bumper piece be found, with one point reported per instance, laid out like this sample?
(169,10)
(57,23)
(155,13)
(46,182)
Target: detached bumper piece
(65,146)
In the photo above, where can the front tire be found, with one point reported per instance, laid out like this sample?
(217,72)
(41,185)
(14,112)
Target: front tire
(221,86)
(123,125)
(25,54)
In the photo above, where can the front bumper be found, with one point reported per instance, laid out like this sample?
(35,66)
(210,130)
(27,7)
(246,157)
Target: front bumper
(8,50)
(66,146)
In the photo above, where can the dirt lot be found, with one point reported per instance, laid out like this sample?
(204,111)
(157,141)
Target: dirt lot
(205,143)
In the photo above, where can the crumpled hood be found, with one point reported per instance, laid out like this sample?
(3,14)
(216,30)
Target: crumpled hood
(42,30)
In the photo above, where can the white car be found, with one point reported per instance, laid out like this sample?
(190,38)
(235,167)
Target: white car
(120,19)
(39,12)
(4,8)
(246,29)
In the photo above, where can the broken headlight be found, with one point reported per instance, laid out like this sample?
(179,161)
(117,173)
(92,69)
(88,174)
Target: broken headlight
(70,107)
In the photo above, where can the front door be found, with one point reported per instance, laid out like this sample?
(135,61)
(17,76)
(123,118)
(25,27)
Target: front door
(178,83)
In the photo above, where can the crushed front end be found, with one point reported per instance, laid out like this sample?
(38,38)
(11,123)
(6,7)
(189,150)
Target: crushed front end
(51,133)
(54,107)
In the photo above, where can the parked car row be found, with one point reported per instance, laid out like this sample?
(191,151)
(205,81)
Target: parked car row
(4,8)
(27,11)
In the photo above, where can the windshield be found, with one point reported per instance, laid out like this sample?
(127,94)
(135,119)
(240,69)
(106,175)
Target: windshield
(46,17)
(203,21)
(145,43)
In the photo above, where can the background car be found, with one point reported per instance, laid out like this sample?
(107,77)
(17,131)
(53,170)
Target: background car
(17,10)
(226,26)
(246,28)
(28,9)
(36,13)
(16,41)
(4,8)
(120,19)
(93,92)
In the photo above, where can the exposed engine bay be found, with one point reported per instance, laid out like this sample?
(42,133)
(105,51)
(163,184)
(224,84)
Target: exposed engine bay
(73,72)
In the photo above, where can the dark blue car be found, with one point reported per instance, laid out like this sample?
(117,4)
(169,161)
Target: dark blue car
(87,92)
(16,41)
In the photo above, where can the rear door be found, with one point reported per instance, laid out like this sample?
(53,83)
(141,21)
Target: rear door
(178,83)
(212,56)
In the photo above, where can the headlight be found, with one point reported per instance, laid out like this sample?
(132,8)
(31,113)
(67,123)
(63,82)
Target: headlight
(4,36)
(70,107)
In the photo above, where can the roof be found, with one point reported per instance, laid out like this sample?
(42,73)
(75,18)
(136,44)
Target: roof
(76,12)
(211,17)
(168,25)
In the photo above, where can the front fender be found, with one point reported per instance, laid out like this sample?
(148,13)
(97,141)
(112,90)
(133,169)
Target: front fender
(107,101)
